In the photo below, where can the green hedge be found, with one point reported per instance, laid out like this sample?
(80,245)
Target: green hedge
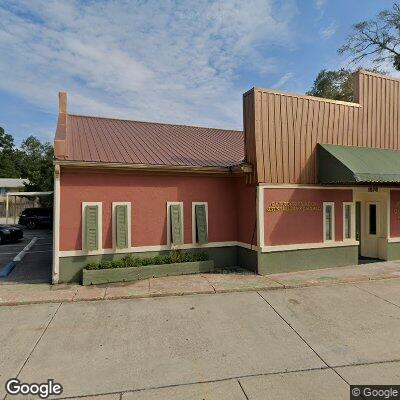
(175,256)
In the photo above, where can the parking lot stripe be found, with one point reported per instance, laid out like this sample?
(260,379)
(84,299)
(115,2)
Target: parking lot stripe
(5,271)
(22,253)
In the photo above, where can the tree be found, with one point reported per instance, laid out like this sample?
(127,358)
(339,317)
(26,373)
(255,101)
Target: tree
(35,161)
(378,39)
(7,159)
(336,85)
(6,141)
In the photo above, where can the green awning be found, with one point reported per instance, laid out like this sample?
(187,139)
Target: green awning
(347,164)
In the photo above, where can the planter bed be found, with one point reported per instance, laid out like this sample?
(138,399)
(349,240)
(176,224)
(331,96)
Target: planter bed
(98,276)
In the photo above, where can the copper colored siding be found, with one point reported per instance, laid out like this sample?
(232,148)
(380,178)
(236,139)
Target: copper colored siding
(249,127)
(107,140)
(282,129)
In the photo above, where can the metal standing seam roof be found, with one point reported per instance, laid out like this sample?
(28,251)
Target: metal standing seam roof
(348,164)
(108,140)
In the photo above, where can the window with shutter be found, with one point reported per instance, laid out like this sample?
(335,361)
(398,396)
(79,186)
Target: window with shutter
(201,224)
(176,224)
(121,228)
(91,228)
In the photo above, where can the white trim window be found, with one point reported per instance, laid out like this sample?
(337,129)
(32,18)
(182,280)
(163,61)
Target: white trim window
(175,226)
(121,225)
(329,221)
(92,227)
(348,221)
(199,223)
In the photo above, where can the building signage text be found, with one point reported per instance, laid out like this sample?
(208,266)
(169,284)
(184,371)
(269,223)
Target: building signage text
(291,206)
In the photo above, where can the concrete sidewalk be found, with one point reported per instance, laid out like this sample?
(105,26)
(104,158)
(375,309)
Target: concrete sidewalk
(307,343)
(15,294)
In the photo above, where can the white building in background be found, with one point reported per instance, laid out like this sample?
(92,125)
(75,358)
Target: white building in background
(11,185)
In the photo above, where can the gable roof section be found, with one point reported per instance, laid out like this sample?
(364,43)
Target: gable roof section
(108,140)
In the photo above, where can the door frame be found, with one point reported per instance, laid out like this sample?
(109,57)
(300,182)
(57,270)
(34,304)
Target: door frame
(373,246)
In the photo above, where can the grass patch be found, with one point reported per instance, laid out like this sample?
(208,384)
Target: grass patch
(174,257)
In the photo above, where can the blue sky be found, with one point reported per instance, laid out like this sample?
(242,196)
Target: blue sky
(170,61)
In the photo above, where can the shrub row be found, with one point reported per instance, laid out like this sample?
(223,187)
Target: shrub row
(175,256)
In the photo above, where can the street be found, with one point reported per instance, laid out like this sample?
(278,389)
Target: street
(295,343)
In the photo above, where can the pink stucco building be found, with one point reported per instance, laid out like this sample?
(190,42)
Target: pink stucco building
(309,183)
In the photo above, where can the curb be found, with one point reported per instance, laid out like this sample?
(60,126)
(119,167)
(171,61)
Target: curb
(23,252)
(6,270)
(72,299)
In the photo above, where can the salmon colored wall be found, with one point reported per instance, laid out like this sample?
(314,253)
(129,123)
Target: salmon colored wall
(148,195)
(293,227)
(395,213)
(247,214)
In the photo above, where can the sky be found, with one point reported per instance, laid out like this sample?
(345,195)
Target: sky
(186,62)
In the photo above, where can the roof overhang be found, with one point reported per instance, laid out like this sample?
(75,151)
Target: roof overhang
(27,194)
(357,165)
(237,169)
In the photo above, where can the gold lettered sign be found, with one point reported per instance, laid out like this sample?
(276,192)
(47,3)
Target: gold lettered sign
(293,206)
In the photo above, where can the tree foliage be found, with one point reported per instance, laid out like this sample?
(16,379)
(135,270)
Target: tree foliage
(37,164)
(336,85)
(7,156)
(376,39)
(33,161)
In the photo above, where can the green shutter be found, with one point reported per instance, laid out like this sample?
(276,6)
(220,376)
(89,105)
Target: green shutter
(201,223)
(91,228)
(121,228)
(176,224)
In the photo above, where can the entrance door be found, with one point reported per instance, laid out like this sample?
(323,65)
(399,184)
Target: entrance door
(371,237)
(371,225)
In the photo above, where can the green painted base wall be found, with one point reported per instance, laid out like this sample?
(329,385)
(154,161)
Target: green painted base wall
(231,256)
(393,251)
(247,258)
(300,260)
(71,267)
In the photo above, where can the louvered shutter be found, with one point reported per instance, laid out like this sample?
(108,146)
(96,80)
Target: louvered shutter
(121,229)
(91,228)
(201,223)
(176,224)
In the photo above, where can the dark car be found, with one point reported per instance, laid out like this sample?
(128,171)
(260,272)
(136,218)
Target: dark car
(36,218)
(10,234)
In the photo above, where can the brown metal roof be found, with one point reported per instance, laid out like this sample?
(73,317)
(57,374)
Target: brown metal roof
(107,140)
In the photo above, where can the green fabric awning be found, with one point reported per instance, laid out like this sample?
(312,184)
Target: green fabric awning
(346,165)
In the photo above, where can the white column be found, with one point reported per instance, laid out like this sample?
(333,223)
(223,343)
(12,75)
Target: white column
(7,208)
(260,216)
(15,209)
(56,226)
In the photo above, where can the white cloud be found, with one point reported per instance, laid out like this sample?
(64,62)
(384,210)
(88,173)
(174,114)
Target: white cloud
(159,61)
(329,30)
(320,4)
(283,80)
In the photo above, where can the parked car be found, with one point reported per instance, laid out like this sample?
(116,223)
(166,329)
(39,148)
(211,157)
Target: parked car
(10,234)
(36,217)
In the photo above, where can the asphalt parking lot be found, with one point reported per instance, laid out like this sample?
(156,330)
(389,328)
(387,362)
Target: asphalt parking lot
(36,265)
(309,343)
